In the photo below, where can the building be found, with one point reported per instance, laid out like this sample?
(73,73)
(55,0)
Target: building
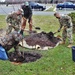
(60,1)
(41,1)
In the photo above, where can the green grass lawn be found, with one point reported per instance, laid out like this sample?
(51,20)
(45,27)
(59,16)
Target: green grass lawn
(57,61)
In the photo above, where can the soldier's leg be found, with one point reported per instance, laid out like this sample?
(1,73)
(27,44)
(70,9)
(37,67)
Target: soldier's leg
(64,36)
(17,50)
(23,23)
(69,35)
(30,24)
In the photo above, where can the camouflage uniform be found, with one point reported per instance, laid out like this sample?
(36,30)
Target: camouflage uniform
(11,40)
(14,20)
(65,21)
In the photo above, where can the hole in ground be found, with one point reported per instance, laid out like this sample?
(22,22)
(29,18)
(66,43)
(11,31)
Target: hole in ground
(24,57)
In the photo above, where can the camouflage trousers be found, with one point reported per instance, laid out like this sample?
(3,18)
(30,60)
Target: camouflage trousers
(67,33)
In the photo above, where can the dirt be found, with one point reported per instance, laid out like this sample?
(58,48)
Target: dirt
(25,57)
(43,39)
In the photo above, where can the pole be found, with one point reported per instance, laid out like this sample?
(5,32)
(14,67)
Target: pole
(65,5)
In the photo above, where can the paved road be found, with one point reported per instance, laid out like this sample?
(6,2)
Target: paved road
(5,10)
(50,13)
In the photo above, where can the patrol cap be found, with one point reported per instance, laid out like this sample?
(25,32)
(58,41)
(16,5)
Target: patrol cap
(26,3)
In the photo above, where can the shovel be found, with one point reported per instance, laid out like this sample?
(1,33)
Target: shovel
(30,31)
(51,34)
(58,36)
(38,28)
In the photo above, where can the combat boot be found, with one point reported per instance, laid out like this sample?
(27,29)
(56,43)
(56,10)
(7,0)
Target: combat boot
(70,45)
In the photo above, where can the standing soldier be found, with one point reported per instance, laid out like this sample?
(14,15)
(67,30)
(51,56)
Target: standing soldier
(27,15)
(14,21)
(66,23)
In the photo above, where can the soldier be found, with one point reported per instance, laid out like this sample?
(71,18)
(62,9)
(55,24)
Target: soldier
(9,41)
(27,15)
(14,21)
(65,22)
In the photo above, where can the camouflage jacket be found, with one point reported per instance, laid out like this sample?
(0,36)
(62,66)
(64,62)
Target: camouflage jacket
(14,19)
(65,21)
(11,40)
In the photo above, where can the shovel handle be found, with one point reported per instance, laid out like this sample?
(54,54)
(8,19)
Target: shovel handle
(38,28)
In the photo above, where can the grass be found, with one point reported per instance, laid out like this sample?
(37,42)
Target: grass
(2,21)
(57,61)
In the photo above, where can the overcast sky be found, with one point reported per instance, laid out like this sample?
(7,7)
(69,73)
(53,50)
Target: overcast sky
(2,0)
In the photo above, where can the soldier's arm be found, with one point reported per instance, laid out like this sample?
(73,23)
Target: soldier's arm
(60,27)
(30,12)
(8,18)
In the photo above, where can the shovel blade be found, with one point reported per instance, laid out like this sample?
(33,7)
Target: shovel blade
(38,28)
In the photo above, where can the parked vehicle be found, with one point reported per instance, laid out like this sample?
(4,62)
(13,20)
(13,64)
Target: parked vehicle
(35,5)
(65,5)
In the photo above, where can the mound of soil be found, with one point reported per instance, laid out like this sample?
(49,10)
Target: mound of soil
(42,39)
(24,57)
